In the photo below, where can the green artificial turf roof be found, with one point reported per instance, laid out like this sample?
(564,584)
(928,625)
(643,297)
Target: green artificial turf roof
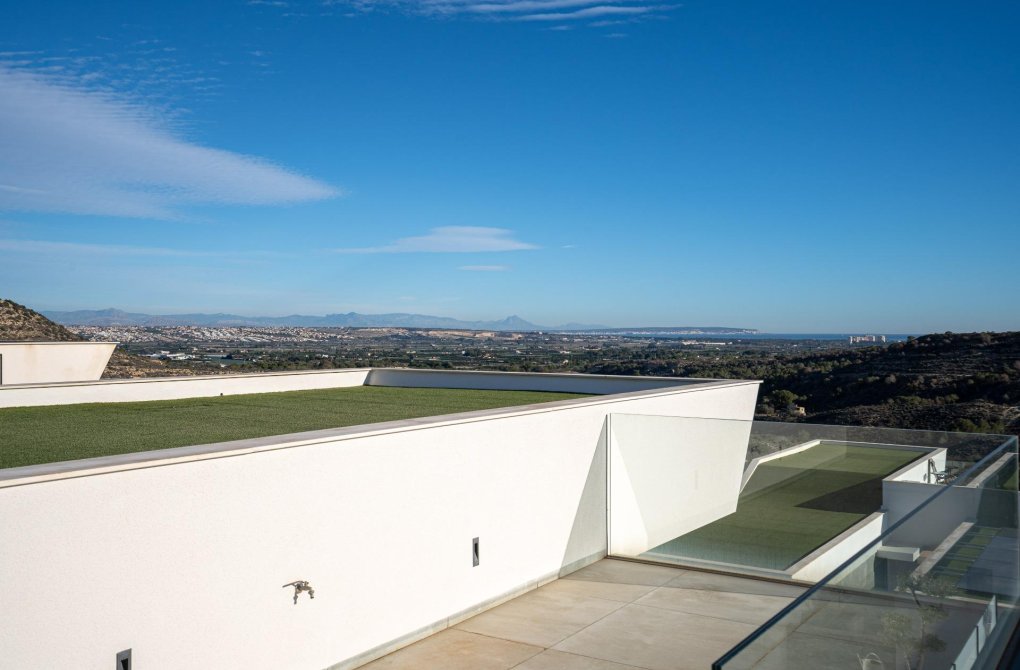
(833,487)
(33,435)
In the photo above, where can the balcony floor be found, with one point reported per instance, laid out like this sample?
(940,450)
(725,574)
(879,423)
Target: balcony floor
(611,615)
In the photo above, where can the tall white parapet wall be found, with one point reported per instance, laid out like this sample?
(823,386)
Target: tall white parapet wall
(53,362)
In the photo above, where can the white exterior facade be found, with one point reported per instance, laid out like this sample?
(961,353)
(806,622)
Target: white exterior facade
(181,555)
(172,388)
(53,362)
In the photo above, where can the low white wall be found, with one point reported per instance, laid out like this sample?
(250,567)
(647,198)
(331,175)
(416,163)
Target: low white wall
(837,551)
(53,362)
(766,482)
(174,388)
(184,562)
(780,473)
(920,471)
(524,381)
(1007,460)
(936,521)
(669,476)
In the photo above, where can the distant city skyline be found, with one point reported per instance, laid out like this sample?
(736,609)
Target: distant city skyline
(819,168)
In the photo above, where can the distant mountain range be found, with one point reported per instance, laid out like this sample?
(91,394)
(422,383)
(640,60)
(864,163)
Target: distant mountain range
(116,317)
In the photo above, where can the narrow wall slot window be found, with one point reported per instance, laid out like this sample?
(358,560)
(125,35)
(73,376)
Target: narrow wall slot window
(475,556)
(124,660)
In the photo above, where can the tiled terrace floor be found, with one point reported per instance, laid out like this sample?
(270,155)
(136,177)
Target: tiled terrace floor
(612,615)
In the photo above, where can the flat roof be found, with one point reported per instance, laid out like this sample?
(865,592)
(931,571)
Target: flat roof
(53,433)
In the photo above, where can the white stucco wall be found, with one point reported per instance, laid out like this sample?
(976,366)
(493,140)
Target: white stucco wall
(184,561)
(670,475)
(49,362)
(919,471)
(172,388)
(935,521)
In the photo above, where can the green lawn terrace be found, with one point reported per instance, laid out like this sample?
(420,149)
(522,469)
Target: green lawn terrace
(793,505)
(36,435)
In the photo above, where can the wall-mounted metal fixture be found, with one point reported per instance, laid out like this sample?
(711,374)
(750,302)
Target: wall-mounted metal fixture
(124,660)
(476,557)
(299,587)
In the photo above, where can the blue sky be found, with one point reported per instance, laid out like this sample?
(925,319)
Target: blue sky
(790,166)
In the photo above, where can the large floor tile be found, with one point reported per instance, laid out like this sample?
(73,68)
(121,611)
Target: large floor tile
(709,581)
(624,593)
(658,639)
(457,650)
(551,659)
(542,617)
(626,572)
(753,609)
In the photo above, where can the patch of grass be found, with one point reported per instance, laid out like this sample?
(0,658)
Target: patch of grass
(820,493)
(967,552)
(32,435)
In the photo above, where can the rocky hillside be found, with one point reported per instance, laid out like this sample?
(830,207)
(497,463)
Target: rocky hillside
(944,381)
(21,324)
(948,381)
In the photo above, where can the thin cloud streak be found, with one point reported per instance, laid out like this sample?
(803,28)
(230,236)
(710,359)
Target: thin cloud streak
(450,239)
(71,149)
(49,248)
(511,10)
(529,5)
(587,13)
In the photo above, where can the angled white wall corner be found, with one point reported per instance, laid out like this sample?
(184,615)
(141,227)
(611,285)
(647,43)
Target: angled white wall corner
(53,362)
(176,388)
(671,475)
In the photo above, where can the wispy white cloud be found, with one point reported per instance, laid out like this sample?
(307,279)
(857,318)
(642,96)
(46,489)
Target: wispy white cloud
(521,5)
(73,149)
(588,12)
(50,248)
(512,10)
(485,268)
(450,239)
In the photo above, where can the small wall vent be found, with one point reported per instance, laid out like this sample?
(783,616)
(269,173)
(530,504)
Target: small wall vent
(124,660)
(475,556)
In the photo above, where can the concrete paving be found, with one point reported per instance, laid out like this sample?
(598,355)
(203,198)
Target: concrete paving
(611,615)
